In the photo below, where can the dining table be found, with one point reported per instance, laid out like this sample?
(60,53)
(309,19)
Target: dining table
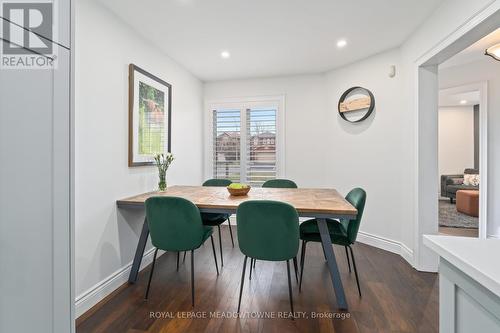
(318,203)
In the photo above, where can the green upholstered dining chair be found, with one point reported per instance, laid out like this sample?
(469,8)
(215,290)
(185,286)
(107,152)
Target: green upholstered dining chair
(342,233)
(216,219)
(280,183)
(175,225)
(267,230)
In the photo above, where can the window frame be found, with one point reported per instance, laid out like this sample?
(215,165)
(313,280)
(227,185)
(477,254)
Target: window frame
(243,104)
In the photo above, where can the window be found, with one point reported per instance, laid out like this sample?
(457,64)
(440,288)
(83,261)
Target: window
(245,142)
(226,141)
(261,157)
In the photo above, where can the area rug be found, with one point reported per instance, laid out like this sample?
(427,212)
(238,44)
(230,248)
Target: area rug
(449,217)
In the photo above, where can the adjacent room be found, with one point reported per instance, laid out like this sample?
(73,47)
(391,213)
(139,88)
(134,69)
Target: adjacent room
(250,166)
(459,161)
(464,105)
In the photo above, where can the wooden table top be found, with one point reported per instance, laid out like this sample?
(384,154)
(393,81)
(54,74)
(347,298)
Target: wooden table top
(315,202)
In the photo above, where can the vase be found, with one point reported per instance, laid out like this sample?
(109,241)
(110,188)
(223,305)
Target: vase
(162,184)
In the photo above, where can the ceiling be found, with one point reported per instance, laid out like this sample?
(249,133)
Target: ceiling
(475,52)
(271,37)
(458,98)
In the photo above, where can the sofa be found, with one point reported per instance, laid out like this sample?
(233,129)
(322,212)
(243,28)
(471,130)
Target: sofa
(450,184)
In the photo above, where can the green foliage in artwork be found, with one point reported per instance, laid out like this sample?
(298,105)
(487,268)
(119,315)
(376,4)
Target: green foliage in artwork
(151,120)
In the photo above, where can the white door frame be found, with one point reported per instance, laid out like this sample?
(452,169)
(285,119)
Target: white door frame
(425,116)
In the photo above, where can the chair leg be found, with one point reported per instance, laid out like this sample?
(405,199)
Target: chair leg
(296,269)
(184,259)
(348,261)
(302,252)
(192,278)
(220,245)
(302,260)
(289,285)
(355,270)
(251,263)
(151,273)
(242,282)
(215,256)
(230,230)
(178,255)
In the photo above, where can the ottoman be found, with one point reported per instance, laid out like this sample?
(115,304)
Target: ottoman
(468,202)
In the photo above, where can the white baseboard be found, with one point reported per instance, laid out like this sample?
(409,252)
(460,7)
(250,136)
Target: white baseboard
(387,244)
(407,254)
(98,292)
(373,240)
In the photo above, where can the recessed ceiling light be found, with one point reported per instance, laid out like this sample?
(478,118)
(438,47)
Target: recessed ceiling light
(341,43)
(225,55)
(463,101)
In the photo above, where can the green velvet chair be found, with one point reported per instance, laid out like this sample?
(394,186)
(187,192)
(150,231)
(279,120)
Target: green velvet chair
(342,233)
(175,225)
(268,230)
(216,219)
(280,183)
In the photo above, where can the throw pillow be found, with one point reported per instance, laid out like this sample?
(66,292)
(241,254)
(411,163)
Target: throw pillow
(475,180)
(471,180)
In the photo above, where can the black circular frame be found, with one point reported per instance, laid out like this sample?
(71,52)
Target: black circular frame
(370,108)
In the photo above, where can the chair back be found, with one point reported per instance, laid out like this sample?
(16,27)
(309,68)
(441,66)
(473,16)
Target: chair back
(268,230)
(280,183)
(217,182)
(174,223)
(357,198)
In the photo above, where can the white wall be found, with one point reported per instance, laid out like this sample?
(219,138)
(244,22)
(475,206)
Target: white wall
(456,139)
(385,147)
(485,70)
(369,154)
(305,104)
(451,17)
(106,238)
(323,150)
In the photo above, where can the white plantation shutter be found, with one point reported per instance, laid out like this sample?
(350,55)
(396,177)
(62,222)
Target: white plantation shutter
(260,159)
(226,144)
(244,143)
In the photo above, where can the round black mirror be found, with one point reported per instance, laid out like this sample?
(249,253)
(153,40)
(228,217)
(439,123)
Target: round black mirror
(356,104)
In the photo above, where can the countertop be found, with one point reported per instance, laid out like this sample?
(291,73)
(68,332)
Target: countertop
(477,258)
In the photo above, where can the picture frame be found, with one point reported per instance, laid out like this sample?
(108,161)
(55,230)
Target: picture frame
(150,117)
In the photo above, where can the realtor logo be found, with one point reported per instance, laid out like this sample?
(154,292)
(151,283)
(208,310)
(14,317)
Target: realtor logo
(27,35)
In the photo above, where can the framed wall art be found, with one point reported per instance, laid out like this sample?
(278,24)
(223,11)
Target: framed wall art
(150,115)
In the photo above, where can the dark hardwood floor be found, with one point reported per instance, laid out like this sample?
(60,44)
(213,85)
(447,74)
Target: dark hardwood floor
(396,298)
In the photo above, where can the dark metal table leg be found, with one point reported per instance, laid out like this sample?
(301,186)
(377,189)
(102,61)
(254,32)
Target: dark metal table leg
(332,264)
(139,252)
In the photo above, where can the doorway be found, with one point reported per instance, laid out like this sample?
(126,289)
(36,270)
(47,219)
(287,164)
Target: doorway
(427,174)
(462,114)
